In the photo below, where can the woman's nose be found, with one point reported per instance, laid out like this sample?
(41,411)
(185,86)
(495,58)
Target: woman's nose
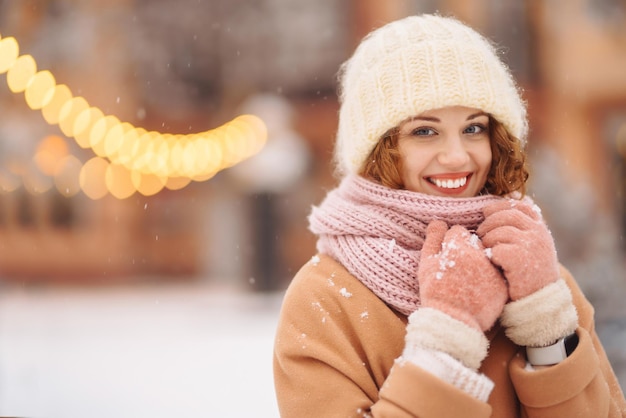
(453,154)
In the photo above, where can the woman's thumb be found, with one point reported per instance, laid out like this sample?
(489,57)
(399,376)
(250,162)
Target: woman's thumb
(435,233)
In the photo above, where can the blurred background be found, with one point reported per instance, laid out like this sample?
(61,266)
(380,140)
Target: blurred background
(163,300)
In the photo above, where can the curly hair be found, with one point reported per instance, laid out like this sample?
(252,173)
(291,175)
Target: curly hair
(508,172)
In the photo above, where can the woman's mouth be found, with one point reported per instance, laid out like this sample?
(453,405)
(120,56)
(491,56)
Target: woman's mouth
(448,184)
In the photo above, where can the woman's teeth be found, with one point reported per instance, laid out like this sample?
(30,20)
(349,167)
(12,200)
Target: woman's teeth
(450,184)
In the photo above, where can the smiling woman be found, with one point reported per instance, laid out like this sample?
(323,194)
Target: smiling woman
(458,304)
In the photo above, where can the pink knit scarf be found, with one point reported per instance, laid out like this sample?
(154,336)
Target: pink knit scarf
(377,233)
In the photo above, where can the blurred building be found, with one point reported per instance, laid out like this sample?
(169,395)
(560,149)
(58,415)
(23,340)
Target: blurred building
(188,66)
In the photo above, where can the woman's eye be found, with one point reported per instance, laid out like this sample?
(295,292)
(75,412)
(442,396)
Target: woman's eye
(423,132)
(475,129)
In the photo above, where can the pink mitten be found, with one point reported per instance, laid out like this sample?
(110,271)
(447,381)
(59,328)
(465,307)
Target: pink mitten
(521,245)
(542,310)
(461,292)
(457,278)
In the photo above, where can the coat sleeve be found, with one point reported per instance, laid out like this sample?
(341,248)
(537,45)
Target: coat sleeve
(412,392)
(583,385)
(328,361)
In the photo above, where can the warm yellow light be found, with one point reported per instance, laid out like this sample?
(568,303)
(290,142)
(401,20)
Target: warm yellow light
(158,160)
(147,184)
(40,90)
(174,163)
(50,151)
(189,158)
(209,157)
(114,139)
(99,131)
(203,177)
(226,145)
(9,51)
(129,141)
(92,178)
(34,181)
(158,155)
(119,182)
(68,113)
(83,125)
(20,73)
(60,96)
(66,178)
(177,183)
(259,131)
(137,151)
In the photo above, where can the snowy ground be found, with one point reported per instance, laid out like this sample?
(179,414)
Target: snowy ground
(151,351)
(160,351)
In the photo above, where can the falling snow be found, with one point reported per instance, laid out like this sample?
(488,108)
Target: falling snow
(315,260)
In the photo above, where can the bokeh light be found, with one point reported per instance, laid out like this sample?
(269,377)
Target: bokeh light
(40,90)
(128,159)
(92,178)
(66,177)
(9,51)
(50,151)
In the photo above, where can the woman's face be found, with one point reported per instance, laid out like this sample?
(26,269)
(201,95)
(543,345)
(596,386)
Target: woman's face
(445,152)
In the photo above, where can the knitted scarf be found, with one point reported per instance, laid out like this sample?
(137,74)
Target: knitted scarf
(377,233)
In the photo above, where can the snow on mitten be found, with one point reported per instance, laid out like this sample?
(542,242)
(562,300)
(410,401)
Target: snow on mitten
(541,311)
(462,295)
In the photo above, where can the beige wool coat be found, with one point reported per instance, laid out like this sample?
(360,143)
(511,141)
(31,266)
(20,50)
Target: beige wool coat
(336,346)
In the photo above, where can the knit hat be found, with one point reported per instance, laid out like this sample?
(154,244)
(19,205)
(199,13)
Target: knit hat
(416,64)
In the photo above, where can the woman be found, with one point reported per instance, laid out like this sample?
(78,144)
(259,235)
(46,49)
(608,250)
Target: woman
(436,291)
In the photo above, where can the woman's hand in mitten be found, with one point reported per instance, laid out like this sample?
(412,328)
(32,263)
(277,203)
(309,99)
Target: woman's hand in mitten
(462,295)
(456,277)
(542,310)
(521,245)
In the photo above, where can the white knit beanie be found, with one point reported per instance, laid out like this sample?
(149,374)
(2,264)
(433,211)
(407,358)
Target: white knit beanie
(416,64)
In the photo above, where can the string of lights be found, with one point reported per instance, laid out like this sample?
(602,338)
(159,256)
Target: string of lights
(127,159)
